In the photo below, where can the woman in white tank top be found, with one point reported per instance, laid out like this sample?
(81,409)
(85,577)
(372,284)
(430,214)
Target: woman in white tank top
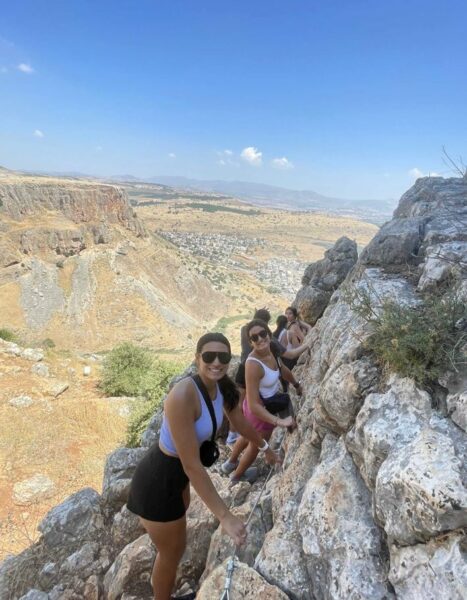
(262,375)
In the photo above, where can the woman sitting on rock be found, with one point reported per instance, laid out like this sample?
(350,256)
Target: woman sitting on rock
(160,490)
(262,374)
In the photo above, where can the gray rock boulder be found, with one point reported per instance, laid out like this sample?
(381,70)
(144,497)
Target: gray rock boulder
(433,571)
(387,420)
(76,520)
(118,471)
(36,488)
(323,277)
(131,570)
(457,409)
(247,584)
(35,595)
(341,542)
(420,489)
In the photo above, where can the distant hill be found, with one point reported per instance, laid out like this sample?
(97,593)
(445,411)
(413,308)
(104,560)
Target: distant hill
(269,195)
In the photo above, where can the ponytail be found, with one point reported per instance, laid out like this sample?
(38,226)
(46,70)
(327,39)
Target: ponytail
(229,391)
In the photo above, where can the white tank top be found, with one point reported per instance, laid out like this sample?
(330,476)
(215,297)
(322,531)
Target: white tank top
(203,425)
(269,383)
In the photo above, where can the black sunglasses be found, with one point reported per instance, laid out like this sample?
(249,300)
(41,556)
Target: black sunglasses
(209,357)
(261,335)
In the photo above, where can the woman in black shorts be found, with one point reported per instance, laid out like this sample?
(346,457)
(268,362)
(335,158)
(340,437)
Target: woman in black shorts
(160,490)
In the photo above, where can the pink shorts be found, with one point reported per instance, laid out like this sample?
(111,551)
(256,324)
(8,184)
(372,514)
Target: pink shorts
(258,424)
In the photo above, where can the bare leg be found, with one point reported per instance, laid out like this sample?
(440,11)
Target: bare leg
(238,448)
(170,541)
(249,456)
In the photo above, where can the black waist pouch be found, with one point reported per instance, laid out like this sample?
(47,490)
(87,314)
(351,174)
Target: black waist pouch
(208,453)
(277,403)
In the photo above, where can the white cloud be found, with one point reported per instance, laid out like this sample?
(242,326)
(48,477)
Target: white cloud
(172,155)
(38,133)
(228,152)
(252,155)
(221,162)
(282,163)
(416,173)
(25,68)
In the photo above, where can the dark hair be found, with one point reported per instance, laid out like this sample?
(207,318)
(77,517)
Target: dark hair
(263,314)
(294,310)
(226,385)
(257,323)
(281,324)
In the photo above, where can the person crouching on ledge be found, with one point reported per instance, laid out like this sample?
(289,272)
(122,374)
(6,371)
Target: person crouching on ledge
(160,488)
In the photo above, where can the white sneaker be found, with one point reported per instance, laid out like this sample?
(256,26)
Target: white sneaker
(228,467)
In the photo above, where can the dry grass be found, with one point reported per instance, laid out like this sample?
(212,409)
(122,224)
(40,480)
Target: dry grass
(65,438)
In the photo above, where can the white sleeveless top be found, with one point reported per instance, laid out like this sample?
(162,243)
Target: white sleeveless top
(203,425)
(269,383)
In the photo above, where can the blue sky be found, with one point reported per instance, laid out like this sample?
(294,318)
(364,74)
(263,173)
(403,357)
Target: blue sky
(349,98)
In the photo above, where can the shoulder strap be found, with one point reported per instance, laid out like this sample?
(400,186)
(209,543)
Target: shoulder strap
(204,392)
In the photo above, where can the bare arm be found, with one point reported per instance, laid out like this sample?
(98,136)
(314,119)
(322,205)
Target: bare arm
(180,410)
(253,374)
(295,352)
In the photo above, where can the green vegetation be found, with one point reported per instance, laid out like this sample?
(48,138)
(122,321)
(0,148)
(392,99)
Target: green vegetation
(220,208)
(48,343)
(7,335)
(224,322)
(421,341)
(129,370)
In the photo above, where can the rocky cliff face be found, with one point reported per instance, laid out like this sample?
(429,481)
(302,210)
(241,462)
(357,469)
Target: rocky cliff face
(371,502)
(78,266)
(80,202)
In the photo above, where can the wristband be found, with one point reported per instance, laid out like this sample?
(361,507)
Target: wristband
(264,447)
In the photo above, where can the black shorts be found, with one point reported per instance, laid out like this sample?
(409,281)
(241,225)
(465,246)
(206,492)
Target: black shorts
(156,492)
(240,376)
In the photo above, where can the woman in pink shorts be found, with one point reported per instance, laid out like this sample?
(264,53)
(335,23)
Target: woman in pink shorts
(262,376)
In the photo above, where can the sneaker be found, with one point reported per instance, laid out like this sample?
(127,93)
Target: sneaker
(250,475)
(228,467)
(232,438)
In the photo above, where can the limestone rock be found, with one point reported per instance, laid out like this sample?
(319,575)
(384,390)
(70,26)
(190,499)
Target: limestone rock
(74,521)
(55,388)
(420,490)
(131,570)
(126,527)
(443,263)
(457,409)
(40,369)
(246,584)
(21,401)
(35,595)
(323,277)
(37,488)
(281,559)
(433,571)
(118,471)
(384,421)
(341,542)
(342,391)
(222,546)
(33,354)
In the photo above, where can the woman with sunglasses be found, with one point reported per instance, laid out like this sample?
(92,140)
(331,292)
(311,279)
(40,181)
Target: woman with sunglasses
(262,374)
(160,490)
